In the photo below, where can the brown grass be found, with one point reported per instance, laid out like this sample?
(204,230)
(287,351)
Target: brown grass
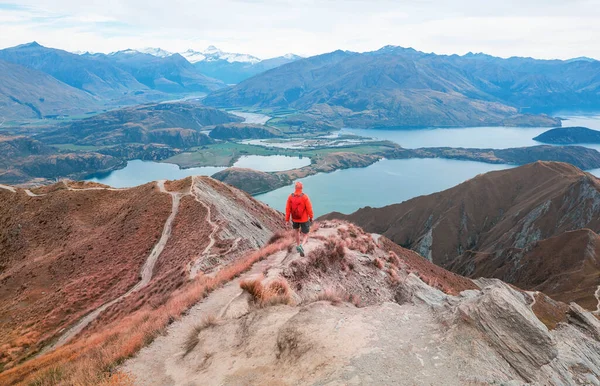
(92,360)
(275,292)
(194,337)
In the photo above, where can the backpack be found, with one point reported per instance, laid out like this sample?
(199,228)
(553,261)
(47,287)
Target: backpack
(297,207)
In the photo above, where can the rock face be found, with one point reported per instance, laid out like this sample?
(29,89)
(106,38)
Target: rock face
(415,324)
(569,135)
(526,226)
(67,249)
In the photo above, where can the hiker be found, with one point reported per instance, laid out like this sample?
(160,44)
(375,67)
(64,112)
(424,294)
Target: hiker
(301,212)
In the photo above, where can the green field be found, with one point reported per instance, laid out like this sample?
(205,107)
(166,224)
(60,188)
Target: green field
(225,154)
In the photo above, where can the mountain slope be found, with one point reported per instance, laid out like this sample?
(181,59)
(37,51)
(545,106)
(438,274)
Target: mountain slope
(27,93)
(75,248)
(396,87)
(501,224)
(169,74)
(176,124)
(92,74)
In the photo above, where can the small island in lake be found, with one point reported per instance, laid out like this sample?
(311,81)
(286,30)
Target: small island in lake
(569,135)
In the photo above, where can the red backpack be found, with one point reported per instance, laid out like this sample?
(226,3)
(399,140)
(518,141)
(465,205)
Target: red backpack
(297,207)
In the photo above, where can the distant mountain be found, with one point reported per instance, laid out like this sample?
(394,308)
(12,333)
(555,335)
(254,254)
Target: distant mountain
(169,74)
(233,68)
(402,87)
(26,93)
(173,124)
(569,135)
(535,226)
(122,78)
(212,54)
(94,74)
(156,52)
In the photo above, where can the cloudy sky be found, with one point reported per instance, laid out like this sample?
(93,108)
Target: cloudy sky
(266,28)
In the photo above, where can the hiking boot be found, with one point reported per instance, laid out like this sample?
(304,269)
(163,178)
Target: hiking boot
(300,250)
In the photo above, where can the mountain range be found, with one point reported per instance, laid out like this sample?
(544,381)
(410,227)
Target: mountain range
(402,87)
(227,67)
(39,82)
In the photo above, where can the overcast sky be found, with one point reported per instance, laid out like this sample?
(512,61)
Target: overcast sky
(266,28)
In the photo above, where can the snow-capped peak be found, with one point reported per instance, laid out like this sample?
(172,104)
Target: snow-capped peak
(128,51)
(158,52)
(212,53)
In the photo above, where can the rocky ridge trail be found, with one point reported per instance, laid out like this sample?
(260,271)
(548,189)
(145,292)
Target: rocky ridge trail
(416,324)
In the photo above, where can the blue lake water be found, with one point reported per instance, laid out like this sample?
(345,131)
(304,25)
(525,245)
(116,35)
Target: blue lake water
(272,163)
(383,183)
(473,137)
(139,172)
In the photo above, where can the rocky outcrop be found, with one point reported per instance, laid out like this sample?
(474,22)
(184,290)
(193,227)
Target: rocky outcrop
(523,225)
(355,312)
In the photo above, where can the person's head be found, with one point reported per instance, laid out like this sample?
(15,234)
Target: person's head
(298,186)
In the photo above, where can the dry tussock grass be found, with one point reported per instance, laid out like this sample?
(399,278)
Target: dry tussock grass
(356,239)
(93,360)
(275,292)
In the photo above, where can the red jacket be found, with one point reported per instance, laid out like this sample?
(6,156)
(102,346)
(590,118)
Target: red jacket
(307,213)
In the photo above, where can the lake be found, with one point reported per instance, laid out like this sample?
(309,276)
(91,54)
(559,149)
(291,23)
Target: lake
(473,137)
(383,183)
(139,172)
(272,163)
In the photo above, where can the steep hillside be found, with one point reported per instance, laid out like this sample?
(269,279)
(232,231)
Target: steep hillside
(94,75)
(515,225)
(23,159)
(177,124)
(360,310)
(27,94)
(75,257)
(396,87)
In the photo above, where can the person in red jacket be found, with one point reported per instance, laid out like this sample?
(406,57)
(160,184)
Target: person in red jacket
(299,209)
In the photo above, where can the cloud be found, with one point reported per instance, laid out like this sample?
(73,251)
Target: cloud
(265,28)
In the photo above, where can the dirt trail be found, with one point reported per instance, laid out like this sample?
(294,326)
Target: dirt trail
(146,273)
(159,363)
(31,194)
(9,188)
(195,266)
